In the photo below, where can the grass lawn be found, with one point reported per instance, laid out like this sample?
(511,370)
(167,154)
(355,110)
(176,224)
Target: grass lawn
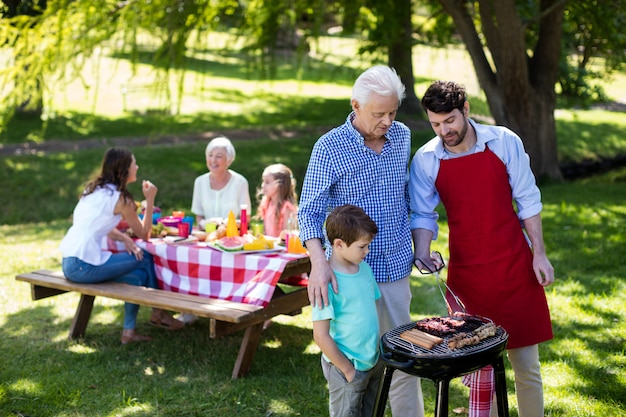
(188,374)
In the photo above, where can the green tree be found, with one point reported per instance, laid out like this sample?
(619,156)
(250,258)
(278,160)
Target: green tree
(592,29)
(520,72)
(11,9)
(521,50)
(52,45)
(390,32)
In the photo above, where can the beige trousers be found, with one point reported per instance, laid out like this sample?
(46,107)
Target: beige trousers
(405,393)
(528,385)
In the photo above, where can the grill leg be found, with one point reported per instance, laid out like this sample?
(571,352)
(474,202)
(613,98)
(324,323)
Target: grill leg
(501,396)
(441,405)
(383,392)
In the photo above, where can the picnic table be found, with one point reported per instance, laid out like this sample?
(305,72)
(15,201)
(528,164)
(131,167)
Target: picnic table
(234,291)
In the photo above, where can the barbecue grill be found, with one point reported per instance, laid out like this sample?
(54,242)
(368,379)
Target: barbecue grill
(441,364)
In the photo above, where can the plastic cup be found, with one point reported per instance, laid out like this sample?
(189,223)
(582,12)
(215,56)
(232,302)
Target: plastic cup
(155,217)
(183,229)
(179,214)
(190,220)
(257,228)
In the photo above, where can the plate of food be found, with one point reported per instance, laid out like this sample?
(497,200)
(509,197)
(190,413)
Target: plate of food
(245,244)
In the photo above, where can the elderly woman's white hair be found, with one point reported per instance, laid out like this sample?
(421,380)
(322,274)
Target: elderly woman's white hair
(222,142)
(380,79)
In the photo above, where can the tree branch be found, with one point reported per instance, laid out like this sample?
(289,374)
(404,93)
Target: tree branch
(544,13)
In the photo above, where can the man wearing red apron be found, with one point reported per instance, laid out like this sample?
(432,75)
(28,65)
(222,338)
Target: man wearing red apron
(477,172)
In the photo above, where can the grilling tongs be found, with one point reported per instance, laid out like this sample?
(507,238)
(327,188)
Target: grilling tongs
(423,268)
(457,299)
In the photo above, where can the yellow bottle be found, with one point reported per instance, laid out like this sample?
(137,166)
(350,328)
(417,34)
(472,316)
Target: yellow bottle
(231,226)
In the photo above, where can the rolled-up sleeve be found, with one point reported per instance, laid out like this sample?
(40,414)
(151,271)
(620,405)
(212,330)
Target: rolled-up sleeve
(423,194)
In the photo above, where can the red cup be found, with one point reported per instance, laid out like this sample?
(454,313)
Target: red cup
(183,229)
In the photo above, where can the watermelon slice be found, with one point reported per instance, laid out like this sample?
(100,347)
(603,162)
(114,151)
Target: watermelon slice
(230,244)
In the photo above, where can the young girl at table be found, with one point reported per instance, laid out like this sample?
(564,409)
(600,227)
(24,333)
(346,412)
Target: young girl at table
(278,199)
(103,203)
(346,330)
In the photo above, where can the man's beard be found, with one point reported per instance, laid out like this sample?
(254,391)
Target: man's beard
(460,135)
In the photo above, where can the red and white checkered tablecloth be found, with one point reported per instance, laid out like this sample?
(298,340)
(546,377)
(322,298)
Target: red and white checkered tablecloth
(199,270)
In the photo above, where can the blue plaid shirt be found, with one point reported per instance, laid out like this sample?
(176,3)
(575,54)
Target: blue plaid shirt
(342,170)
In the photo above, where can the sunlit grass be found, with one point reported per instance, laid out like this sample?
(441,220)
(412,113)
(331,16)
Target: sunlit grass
(590,134)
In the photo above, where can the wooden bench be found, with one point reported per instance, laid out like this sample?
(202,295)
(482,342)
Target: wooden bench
(225,316)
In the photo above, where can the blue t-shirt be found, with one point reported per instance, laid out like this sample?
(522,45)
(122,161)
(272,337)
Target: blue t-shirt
(353,316)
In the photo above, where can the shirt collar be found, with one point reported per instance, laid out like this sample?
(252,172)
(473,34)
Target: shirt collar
(358,136)
(354,133)
(483,135)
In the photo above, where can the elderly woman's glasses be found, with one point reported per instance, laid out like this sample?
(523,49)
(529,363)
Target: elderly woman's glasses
(435,259)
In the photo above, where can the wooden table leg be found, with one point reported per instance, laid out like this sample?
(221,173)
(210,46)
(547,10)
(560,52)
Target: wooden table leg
(81,318)
(248,347)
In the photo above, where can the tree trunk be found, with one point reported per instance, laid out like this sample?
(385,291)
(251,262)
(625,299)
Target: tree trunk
(401,55)
(519,89)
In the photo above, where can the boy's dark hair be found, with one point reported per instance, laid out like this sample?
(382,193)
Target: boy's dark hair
(349,223)
(443,97)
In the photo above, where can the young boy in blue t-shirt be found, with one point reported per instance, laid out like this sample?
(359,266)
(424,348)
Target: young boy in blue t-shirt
(347,329)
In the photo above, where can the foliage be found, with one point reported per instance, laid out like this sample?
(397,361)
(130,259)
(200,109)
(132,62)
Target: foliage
(576,84)
(54,46)
(592,29)
(591,33)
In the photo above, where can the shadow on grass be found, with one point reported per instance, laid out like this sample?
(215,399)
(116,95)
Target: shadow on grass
(276,112)
(226,63)
(583,231)
(586,152)
(181,373)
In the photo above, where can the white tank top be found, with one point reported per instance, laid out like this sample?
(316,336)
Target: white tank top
(93,219)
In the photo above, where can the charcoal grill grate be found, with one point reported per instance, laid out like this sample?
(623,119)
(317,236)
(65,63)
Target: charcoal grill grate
(395,342)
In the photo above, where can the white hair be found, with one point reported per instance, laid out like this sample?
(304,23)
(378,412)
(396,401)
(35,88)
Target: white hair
(381,80)
(222,142)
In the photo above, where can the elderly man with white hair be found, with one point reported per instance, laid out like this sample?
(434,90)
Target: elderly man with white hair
(364,162)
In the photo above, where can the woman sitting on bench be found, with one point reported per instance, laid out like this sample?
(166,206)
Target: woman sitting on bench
(103,203)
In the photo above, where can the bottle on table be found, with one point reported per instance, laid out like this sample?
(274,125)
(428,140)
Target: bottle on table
(243,220)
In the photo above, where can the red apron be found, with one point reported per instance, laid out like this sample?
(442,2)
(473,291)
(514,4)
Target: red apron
(490,266)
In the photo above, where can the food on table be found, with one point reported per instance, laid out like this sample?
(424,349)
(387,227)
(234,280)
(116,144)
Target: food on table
(200,235)
(141,207)
(219,233)
(257,243)
(230,243)
(231,226)
(158,230)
